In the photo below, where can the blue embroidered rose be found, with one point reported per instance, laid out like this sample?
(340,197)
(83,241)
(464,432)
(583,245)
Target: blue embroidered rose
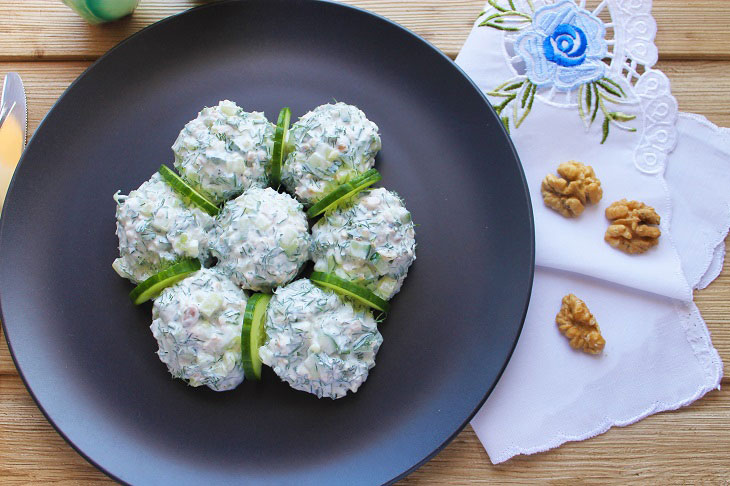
(564,47)
(567,46)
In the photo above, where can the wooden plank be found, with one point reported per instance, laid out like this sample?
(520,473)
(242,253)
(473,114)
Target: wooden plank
(691,445)
(46,29)
(6,361)
(30,450)
(701,87)
(44,82)
(695,29)
(685,447)
(34,29)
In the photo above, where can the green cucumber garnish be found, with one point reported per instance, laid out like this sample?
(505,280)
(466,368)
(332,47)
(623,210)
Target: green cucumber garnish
(151,288)
(345,191)
(277,160)
(342,286)
(187,192)
(253,335)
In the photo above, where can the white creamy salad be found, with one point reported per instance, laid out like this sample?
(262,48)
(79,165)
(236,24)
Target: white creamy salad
(197,323)
(330,145)
(319,342)
(156,227)
(261,239)
(319,338)
(224,151)
(370,241)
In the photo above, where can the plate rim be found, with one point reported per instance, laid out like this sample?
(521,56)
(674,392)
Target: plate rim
(213,5)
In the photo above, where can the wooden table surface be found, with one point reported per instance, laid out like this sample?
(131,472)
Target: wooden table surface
(49,46)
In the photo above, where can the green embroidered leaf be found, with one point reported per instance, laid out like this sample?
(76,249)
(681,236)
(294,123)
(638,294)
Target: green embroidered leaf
(512,15)
(505,122)
(500,27)
(494,4)
(521,109)
(622,117)
(614,83)
(499,7)
(588,104)
(609,89)
(528,94)
(598,99)
(610,92)
(514,86)
(505,90)
(509,20)
(502,89)
(581,103)
(617,118)
(520,92)
(504,104)
(499,94)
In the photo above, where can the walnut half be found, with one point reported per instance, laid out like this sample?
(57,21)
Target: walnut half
(578,324)
(630,229)
(569,193)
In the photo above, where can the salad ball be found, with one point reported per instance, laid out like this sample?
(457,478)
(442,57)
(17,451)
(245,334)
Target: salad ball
(156,227)
(329,146)
(224,151)
(197,324)
(319,342)
(370,240)
(261,239)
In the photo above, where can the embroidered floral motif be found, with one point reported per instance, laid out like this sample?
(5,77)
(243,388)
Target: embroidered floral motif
(562,46)
(566,46)
(595,95)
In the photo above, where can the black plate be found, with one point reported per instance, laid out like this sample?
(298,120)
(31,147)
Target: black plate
(86,353)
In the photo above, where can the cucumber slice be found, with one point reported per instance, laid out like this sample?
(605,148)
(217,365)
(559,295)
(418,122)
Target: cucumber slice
(253,335)
(345,191)
(277,160)
(341,286)
(187,192)
(151,288)
(360,249)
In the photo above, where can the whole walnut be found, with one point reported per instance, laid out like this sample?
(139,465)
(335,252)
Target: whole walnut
(631,227)
(577,323)
(576,187)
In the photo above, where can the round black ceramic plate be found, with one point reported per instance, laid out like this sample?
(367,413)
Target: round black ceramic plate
(87,354)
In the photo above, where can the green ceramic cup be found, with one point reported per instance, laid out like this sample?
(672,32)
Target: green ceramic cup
(98,11)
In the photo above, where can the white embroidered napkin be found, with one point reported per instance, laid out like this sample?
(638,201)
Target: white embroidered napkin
(571,86)
(699,185)
(658,356)
(554,131)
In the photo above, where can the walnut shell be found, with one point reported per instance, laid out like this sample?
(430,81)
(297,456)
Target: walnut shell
(569,193)
(577,323)
(630,229)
